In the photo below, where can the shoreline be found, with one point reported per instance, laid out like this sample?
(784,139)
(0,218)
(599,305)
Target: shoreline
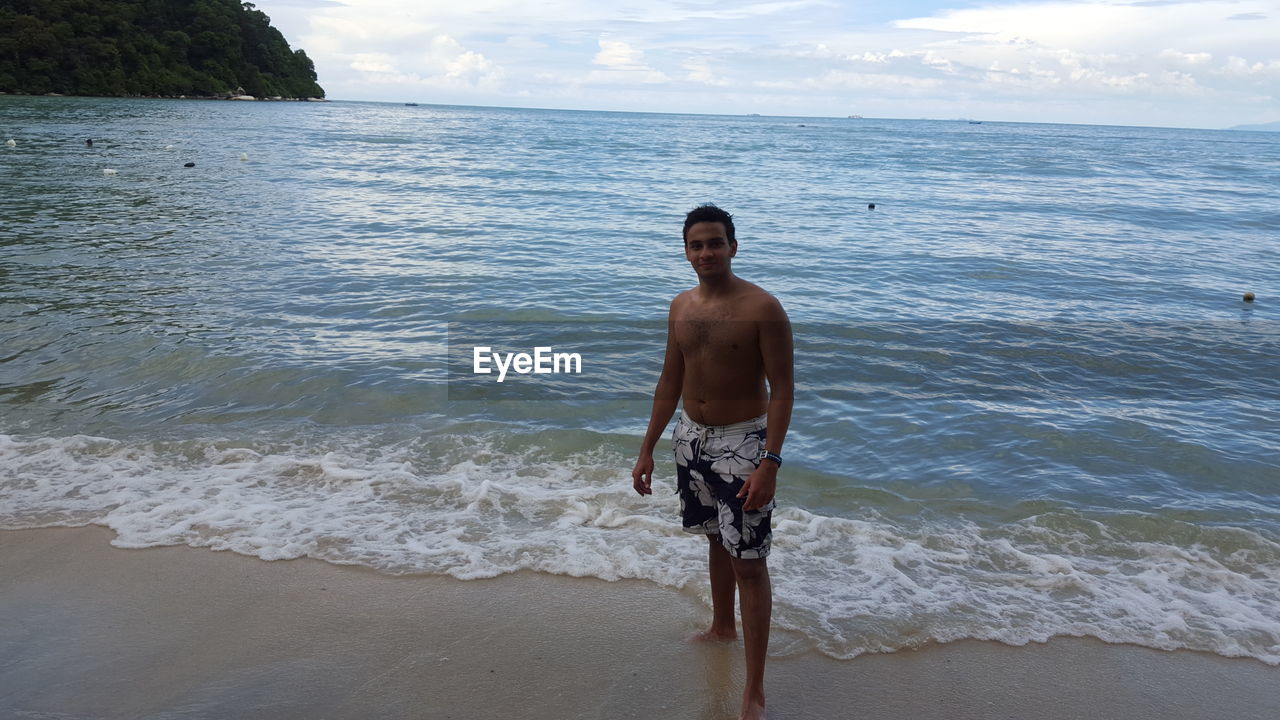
(103,632)
(171,97)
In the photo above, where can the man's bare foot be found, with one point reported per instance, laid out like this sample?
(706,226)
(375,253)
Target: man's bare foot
(752,711)
(714,636)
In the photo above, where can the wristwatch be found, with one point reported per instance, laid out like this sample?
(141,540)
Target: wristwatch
(766,455)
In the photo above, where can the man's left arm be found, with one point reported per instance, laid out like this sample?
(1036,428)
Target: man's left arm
(776,353)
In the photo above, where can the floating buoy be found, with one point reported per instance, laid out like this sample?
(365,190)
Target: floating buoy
(11,142)
(871,206)
(244,157)
(189,165)
(108,171)
(1248,297)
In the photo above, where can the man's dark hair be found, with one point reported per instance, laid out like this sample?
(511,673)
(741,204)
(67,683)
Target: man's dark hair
(709,213)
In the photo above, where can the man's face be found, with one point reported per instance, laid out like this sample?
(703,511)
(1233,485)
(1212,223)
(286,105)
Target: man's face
(708,249)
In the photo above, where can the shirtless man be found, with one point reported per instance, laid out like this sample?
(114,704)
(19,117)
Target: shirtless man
(725,339)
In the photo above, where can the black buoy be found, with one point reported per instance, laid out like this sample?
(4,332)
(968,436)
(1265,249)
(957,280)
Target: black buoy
(189,165)
(1248,297)
(88,143)
(871,206)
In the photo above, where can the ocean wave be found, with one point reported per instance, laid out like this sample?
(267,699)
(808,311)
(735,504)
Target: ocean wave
(486,502)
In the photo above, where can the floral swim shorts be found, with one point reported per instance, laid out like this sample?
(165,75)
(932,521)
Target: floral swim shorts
(712,464)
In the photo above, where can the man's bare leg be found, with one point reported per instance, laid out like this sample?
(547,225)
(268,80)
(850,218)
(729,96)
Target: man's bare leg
(756,595)
(720,566)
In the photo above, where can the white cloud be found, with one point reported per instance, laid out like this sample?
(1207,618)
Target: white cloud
(847,80)
(699,71)
(1103,45)
(1100,26)
(373,63)
(1186,58)
(471,69)
(1241,67)
(440,62)
(623,63)
(617,55)
(346,29)
(1189,62)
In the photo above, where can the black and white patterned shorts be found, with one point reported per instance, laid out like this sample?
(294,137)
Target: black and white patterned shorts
(712,463)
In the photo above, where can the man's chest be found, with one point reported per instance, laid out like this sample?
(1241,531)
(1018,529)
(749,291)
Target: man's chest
(710,331)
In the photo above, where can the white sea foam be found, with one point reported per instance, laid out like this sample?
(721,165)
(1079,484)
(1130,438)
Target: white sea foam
(475,507)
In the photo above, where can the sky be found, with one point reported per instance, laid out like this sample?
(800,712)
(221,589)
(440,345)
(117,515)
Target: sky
(1174,63)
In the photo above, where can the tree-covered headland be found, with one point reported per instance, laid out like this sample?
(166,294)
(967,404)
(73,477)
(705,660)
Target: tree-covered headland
(161,48)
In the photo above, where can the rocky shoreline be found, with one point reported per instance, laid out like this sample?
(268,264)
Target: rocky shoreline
(225,96)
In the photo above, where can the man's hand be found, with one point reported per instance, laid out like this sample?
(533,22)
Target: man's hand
(642,475)
(760,486)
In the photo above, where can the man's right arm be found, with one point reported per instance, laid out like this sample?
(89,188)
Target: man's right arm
(665,398)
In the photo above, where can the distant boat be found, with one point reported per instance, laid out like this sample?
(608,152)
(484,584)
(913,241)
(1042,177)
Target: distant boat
(411,104)
(975,122)
(855,117)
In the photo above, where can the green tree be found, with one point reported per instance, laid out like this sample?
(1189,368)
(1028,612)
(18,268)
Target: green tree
(147,47)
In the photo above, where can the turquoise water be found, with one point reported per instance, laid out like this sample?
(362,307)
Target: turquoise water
(1030,399)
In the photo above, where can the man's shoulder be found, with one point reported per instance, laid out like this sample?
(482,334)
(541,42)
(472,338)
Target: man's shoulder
(754,291)
(760,299)
(681,301)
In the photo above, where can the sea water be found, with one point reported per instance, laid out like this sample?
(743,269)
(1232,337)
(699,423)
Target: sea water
(1030,400)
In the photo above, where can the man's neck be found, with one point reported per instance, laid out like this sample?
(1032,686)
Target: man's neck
(719,286)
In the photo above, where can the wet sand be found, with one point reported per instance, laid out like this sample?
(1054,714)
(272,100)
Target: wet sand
(92,631)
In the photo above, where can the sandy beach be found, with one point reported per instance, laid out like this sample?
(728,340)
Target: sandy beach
(93,631)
